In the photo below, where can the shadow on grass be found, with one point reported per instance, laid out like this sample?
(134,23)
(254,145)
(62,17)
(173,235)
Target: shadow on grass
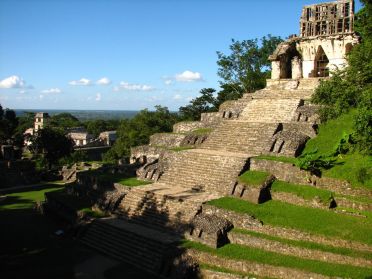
(30,249)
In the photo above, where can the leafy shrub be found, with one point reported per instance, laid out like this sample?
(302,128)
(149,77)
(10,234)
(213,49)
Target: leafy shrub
(314,162)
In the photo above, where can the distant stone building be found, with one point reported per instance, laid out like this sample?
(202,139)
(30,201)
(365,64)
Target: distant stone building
(41,118)
(108,137)
(80,138)
(326,37)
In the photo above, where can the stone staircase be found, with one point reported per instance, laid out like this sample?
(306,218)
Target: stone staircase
(163,207)
(304,94)
(268,110)
(241,136)
(205,170)
(137,245)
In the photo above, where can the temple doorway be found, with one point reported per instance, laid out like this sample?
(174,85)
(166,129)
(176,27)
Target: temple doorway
(321,63)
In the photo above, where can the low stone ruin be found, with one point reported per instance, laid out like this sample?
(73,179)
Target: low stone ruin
(210,230)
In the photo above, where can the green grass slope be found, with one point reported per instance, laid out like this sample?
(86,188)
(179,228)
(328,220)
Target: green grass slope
(352,166)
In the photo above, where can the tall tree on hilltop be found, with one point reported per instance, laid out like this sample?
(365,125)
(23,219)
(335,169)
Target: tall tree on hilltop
(246,68)
(204,103)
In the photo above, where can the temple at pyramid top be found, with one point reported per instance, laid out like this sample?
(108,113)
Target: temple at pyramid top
(326,37)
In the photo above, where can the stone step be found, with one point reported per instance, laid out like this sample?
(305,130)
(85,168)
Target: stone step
(270,110)
(210,171)
(241,136)
(134,244)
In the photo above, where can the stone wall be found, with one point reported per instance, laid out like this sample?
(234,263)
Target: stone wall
(211,118)
(167,139)
(237,219)
(188,126)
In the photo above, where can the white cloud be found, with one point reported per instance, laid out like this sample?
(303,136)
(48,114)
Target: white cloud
(189,76)
(168,82)
(177,97)
(52,91)
(12,82)
(22,91)
(125,86)
(103,81)
(41,97)
(98,97)
(82,81)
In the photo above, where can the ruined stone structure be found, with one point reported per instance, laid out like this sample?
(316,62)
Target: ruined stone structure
(276,121)
(326,37)
(41,118)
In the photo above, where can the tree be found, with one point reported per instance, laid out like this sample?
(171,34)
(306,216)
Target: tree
(8,124)
(204,103)
(137,131)
(95,127)
(52,144)
(247,67)
(64,120)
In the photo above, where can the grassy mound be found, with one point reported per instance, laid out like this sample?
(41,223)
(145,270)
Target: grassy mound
(312,220)
(133,181)
(253,177)
(239,252)
(304,191)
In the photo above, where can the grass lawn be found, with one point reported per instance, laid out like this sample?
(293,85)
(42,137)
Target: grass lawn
(309,245)
(121,179)
(312,220)
(349,167)
(304,191)
(26,199)
(253,178)
(239,252)
(133,181)
(201,131)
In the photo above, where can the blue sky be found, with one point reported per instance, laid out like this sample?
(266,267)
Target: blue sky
(125,55)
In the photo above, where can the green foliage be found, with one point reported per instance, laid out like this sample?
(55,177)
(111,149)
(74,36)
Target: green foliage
(51,144)
(229,92)
(362,175)
(8,124)
(97,126)
(335,141)
(253,177)
(64,120)
(314,162)
(313,220)
(246,67)
(204,103)
(137,131)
